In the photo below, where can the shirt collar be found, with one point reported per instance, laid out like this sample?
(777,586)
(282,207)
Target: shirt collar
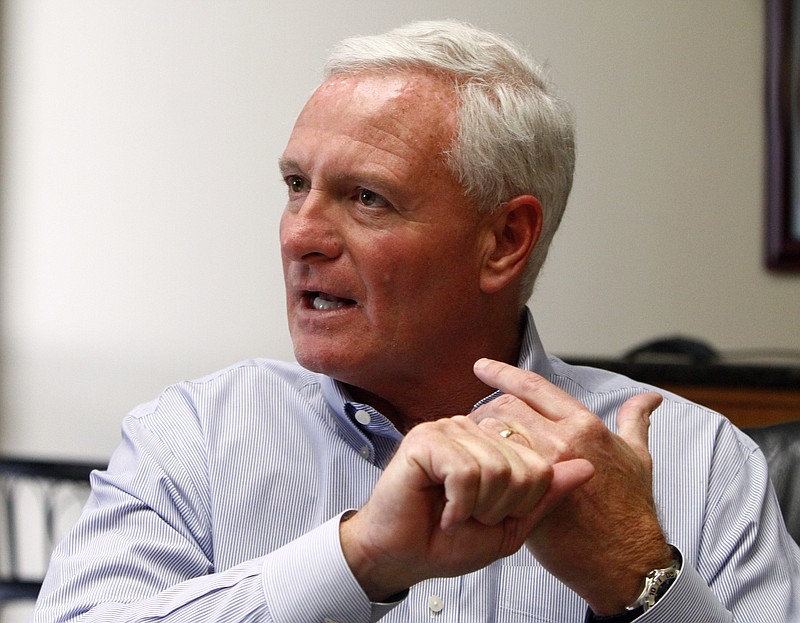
(364,428)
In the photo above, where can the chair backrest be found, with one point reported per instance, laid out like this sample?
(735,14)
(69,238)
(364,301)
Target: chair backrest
(39,501)
(780,444)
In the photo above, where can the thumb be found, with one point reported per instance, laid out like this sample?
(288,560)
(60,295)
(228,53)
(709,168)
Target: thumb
(633,420)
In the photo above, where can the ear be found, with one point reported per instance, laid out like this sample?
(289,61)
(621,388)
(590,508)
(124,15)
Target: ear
(513,233)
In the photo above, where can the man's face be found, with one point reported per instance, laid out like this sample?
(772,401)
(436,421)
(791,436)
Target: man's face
(381,251)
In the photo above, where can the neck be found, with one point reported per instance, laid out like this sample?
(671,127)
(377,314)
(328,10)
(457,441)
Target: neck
(451,390)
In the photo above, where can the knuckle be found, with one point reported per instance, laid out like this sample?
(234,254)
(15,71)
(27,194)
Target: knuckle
(507,405)
(420,430)
(498,472)
(561,448)
(488,422)
(422,433)
(460,421)
(590,427)
(532,383)
(466,473)
(535,481)
(498,405)
(534,469)
(540,470)
(505,400)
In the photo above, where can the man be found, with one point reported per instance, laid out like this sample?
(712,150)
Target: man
(384,476)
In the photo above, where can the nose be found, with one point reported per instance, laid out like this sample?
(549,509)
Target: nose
(311,232)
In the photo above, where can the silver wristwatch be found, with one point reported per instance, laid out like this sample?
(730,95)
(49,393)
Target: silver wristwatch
(656,584)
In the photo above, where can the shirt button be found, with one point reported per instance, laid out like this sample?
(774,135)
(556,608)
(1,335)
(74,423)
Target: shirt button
(362,417)
(435,603)
(364,452)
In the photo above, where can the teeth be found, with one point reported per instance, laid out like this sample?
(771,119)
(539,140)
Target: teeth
(321,303)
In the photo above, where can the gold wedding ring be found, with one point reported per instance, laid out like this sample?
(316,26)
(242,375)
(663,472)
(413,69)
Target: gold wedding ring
(506,433)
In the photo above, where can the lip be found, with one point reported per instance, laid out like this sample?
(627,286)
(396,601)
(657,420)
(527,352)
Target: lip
(309,296)
(305,294)
(305,318)
(303,285)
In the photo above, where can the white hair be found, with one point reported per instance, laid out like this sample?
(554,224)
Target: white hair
(514,136)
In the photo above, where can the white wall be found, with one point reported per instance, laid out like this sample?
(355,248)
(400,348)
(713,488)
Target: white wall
(140,196)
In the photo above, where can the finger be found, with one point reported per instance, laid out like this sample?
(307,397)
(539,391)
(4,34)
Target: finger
(567,477)
(474,469)
(518,493)
(633,419)
(440,468)
(529,480)
(511,478)
(496,428)
(533,389)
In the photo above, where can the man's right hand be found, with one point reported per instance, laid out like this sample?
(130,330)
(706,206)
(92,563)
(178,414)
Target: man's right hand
(455,497)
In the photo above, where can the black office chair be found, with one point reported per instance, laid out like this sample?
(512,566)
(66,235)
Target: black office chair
(39,501)
(780,444)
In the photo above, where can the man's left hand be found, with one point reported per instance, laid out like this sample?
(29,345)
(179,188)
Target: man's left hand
(604,537)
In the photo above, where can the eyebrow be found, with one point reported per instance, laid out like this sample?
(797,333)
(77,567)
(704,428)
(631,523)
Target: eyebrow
(286,164)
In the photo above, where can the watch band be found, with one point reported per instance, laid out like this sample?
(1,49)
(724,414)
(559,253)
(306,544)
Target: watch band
(625,617)
(656,583)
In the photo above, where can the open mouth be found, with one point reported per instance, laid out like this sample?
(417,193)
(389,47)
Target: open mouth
(322,301)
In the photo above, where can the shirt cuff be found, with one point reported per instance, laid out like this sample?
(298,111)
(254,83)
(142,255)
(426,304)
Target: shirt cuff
(688,599)
(308,579)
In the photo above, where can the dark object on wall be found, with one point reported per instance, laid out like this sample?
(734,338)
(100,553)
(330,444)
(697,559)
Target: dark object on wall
(675,349)
(783,134)
(39,500)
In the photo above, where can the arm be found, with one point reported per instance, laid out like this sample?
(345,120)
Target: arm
(746,568)
(143,550)
(745,555)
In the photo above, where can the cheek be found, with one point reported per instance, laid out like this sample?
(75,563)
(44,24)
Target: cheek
(421,277)
(422,268)
(393,275)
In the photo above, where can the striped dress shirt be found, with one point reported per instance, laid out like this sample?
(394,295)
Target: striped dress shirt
(222,504)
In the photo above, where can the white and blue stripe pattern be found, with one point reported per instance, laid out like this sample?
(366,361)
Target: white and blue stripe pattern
(222,504)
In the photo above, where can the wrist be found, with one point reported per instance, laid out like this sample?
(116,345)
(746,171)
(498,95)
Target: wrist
(378,583)
(620,578)
(654,586)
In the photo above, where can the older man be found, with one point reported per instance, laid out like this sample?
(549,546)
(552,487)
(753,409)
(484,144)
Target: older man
(384,476)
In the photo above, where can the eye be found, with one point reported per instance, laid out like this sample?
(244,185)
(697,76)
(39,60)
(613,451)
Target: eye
(295,183)
(371,199)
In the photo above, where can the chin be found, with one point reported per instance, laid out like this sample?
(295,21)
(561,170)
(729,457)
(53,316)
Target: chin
(325,360)
(311,360)
(331,362)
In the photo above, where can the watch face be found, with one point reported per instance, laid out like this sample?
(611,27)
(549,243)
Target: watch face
(656,584)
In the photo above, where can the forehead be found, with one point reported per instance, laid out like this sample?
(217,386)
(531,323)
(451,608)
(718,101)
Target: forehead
(419,102)
(406,116)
